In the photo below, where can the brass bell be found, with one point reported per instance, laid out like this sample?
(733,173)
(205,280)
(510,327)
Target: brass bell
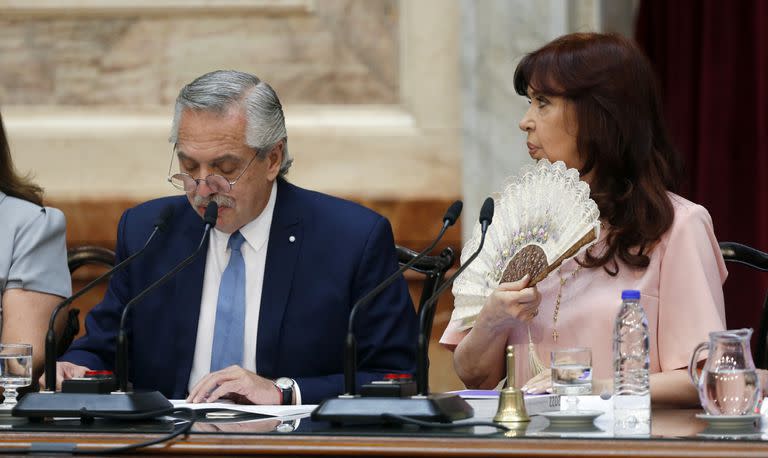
(511,402)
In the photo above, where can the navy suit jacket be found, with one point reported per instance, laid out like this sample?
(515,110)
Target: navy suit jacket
(340,252)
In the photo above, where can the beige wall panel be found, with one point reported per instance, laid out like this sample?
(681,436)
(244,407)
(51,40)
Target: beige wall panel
(139,61)
(370,91)
(146,7)
(365,152)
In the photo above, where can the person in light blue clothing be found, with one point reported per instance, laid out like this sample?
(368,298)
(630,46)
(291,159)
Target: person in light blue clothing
(34,276)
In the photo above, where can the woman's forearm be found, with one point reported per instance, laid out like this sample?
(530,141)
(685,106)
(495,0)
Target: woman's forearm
(673,388)
(25,320)
(479,357)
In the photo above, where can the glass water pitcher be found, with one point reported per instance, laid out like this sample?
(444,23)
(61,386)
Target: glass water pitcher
(728,384)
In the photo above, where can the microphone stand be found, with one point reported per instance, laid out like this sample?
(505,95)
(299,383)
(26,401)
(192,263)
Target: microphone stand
(350,344)
(422,351)
(211,213)
(132,405)
(50,338)
(442,408)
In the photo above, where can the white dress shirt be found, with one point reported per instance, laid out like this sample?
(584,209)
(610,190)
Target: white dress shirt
(256,234)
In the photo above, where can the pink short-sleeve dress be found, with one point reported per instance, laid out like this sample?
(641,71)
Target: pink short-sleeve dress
(681,293)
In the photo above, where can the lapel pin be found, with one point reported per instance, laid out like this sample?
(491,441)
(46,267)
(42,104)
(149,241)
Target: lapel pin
(292,239)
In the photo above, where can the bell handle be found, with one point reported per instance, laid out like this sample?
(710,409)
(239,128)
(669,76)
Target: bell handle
(692,366)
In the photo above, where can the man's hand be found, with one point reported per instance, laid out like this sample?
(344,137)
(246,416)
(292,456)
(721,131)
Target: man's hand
(64,371)
(236,384)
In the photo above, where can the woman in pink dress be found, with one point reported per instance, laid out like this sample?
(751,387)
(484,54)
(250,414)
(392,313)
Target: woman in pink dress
(594,105)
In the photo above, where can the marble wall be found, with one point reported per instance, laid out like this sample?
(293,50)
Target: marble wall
(339,53)
(495,35)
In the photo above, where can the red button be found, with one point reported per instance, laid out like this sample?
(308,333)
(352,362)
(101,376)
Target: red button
(95,373)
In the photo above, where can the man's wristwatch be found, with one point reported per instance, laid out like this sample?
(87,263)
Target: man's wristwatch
(285,386)
(287,426)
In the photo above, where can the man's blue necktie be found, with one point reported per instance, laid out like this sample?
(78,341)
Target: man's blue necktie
(230,310)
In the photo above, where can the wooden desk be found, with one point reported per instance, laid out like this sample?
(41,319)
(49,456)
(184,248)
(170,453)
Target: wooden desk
(408,446)
(674,435)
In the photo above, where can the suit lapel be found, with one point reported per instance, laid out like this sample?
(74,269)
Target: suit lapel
(285,239)
(187,296)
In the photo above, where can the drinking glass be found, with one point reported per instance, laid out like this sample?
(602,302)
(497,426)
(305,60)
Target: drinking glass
(15,370)
(572,373)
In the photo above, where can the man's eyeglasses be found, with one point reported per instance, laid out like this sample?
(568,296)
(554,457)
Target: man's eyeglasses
(217,183)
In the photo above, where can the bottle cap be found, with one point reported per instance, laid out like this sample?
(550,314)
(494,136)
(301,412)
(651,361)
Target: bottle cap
(630,294)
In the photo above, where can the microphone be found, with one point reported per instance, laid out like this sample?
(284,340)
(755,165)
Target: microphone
(350,344)
(160,225)
(422,366)
(137,405)
(486,215)
(121,365)
(441,407)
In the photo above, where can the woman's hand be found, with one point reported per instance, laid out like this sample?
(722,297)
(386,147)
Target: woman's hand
(539,384)
(542,383)
(479,357)
(509,303)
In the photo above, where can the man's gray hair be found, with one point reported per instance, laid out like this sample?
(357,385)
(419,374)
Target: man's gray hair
(221,90)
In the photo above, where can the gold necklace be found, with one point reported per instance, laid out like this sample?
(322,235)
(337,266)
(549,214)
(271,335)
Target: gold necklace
(559,297)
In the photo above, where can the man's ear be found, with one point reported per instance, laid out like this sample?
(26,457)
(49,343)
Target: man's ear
(275,158)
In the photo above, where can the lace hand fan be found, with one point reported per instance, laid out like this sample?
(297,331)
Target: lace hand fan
(543,217)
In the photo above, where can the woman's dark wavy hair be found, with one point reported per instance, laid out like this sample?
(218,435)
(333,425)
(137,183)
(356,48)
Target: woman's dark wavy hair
(10,182)
(621,136)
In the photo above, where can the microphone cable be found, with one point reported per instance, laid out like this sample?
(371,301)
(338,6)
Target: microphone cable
(185,414)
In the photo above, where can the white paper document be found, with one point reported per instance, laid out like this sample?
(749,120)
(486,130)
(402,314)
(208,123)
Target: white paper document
(485,402)
(273,411)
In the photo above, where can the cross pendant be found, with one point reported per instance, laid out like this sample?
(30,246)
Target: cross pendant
(554,335)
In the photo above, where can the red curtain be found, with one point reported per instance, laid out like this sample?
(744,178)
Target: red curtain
(712,61)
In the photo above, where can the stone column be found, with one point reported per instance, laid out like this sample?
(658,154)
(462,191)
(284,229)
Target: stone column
(495,36)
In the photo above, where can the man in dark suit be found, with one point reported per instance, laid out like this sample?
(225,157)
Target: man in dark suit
(261,317)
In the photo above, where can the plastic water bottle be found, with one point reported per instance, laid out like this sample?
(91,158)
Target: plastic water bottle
(631,361)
